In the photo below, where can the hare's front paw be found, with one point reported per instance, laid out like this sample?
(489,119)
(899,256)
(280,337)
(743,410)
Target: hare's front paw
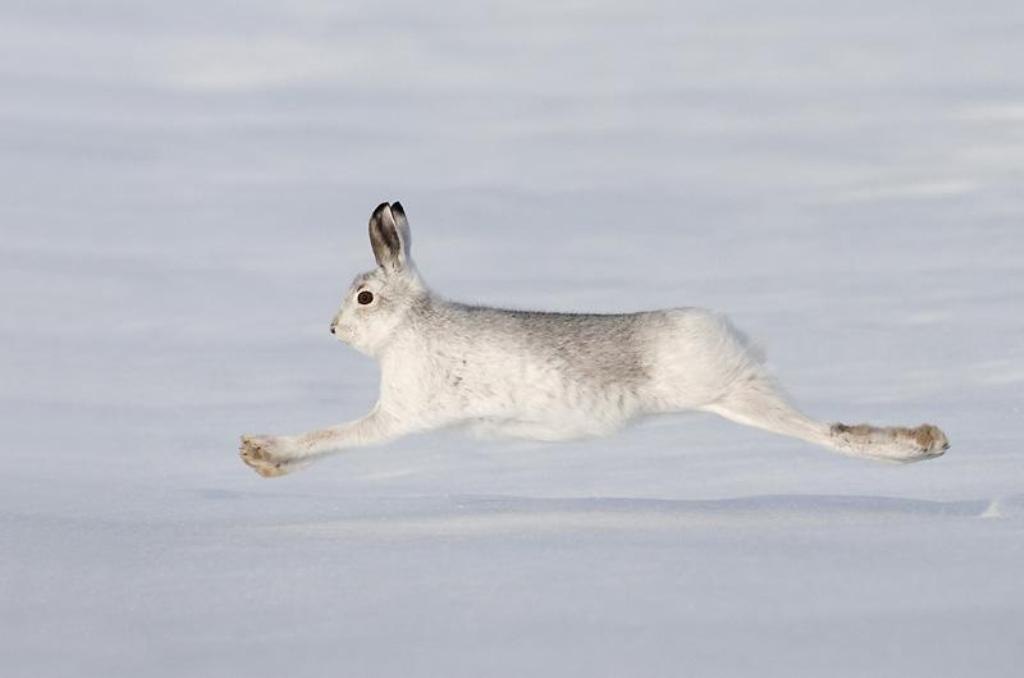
(267,455)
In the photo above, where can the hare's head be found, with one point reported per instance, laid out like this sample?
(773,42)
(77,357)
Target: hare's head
(378,300)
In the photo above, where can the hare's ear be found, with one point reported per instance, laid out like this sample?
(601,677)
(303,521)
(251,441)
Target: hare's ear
(398,212)
(386,238)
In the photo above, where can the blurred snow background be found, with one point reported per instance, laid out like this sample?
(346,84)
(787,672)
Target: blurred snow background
(186,187)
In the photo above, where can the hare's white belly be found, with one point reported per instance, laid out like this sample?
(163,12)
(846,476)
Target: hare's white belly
(571,411)
(513,396)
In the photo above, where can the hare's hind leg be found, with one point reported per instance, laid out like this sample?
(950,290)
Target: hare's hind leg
(757,402)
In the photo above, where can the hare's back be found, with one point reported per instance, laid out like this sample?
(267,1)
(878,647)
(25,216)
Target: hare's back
(591,348)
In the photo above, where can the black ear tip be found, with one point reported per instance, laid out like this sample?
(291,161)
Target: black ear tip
(380,209)
(396,208)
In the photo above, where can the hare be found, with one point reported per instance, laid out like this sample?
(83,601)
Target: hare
(548,376)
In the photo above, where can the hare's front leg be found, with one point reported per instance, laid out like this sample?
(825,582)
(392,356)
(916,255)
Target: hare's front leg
(272,456)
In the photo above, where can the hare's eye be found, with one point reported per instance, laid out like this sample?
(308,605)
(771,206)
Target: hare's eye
(365,297)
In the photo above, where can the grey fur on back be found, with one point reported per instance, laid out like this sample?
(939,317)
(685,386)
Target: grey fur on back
(601,349)
(593,348)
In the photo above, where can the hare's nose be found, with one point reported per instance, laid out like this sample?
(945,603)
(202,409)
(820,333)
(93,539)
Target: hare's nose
(332,328)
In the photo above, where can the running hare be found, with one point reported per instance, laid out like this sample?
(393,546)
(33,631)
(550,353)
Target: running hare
(548,376)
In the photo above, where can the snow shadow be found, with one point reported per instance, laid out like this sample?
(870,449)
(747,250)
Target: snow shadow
(468,515)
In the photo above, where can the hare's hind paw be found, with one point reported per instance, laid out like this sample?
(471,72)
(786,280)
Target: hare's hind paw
(891,443)
(263,455)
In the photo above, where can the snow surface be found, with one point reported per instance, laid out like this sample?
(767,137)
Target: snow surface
(186,187)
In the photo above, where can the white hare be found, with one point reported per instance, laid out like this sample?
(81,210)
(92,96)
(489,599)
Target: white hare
(548,376)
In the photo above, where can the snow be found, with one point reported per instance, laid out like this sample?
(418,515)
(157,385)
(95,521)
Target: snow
(186,192)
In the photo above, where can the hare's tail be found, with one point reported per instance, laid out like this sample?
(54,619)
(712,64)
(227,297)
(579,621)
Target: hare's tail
(759,403)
